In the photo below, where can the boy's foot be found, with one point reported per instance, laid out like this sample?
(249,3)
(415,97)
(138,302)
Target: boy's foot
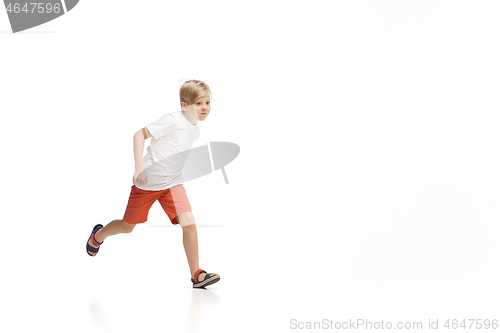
(92,247)
(203,279)
(93,254)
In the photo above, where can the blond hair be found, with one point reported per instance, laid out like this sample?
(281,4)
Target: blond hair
(191,90)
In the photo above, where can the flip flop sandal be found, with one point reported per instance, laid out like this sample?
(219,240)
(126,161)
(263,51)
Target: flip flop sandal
(210,278)
(92,237)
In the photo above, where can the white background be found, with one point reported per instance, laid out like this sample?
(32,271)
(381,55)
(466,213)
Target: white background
(367,185)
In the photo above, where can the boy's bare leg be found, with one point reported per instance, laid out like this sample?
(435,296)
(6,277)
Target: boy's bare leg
(190,240)
(112,228)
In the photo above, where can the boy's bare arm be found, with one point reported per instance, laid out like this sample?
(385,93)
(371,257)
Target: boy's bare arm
(139,138)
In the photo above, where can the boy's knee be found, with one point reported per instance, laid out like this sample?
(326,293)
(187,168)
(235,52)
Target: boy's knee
(186,220)
(127,227)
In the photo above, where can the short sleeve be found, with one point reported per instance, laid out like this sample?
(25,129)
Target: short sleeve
(162,126)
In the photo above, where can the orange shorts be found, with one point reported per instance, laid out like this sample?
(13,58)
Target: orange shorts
(173,200)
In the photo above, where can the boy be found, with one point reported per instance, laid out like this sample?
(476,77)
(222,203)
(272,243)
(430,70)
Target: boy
(159,178)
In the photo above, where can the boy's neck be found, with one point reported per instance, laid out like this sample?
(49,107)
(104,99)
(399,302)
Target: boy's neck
(184,113)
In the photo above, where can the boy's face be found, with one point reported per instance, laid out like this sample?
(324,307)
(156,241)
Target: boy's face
(200,109)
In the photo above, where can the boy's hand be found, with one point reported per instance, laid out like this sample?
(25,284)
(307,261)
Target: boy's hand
(140,177)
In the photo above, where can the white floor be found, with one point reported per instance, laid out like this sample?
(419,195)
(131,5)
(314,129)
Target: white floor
(393,263)
(366,189)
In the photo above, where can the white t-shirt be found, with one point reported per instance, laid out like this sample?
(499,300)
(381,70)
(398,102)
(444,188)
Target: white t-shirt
(173,137)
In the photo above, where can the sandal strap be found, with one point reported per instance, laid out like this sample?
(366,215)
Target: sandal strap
(198,273)
(97,227)
(94,240)
(92,249)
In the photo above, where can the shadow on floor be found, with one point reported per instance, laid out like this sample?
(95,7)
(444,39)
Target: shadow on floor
(201,299)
